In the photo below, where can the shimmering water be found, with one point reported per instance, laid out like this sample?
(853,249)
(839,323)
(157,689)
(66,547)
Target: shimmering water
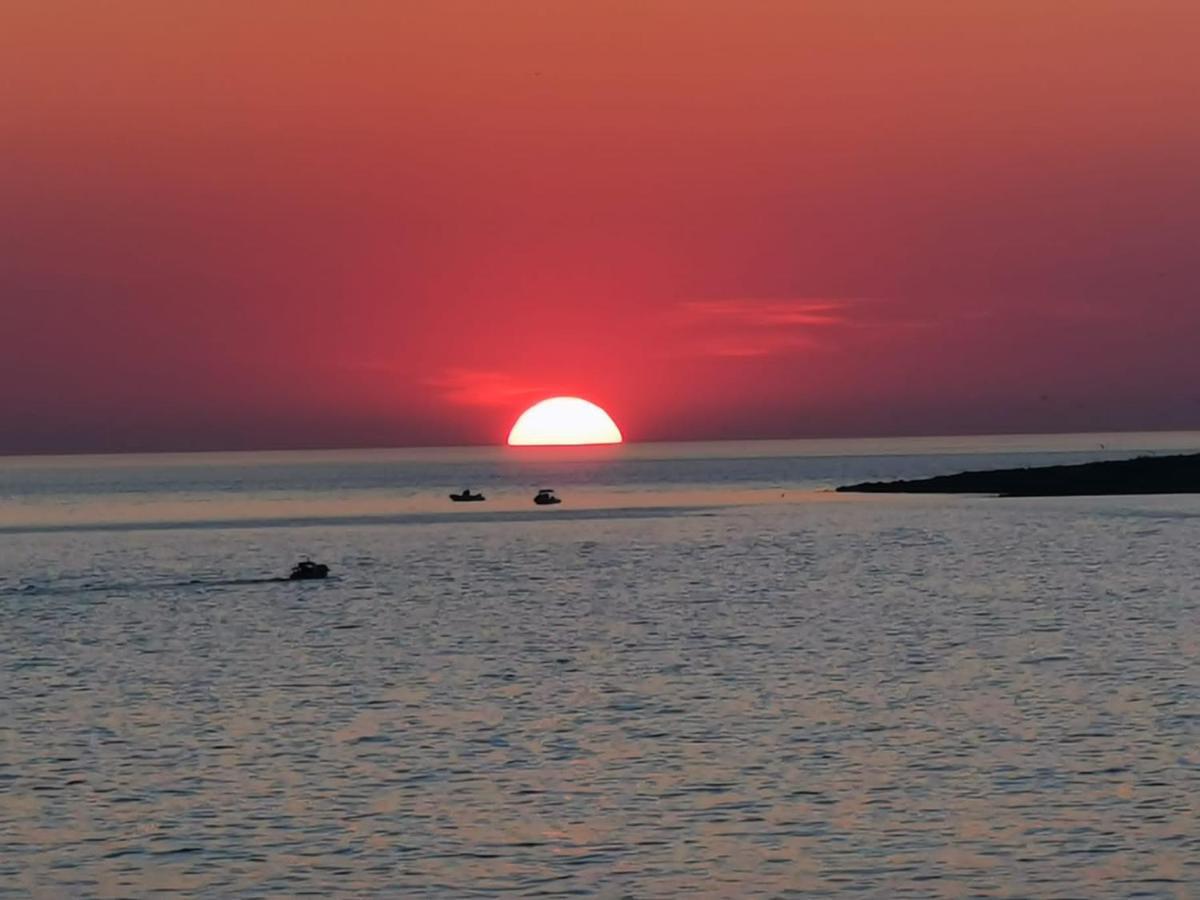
(699,675)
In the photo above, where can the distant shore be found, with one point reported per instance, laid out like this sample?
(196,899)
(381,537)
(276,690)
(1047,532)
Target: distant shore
(1179,474)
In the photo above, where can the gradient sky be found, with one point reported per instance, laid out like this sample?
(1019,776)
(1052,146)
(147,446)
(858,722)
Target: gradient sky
(277,224)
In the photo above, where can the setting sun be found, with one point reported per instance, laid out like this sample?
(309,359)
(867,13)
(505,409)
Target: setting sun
(564,420)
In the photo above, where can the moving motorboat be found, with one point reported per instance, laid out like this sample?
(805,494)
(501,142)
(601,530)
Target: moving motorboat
(545,497)
(307,569)
(467,497)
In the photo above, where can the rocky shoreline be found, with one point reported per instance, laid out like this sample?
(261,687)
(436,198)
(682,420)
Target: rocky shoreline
(1179,474)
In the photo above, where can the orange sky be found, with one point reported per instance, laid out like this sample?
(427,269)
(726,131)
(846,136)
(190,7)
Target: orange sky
(278,224)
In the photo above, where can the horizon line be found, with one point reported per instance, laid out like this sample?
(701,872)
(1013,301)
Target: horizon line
(612,448)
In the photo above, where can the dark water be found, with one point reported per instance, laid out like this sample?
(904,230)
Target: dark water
(679,682)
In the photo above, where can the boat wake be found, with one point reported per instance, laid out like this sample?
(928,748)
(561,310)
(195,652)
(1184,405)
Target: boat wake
(43,590)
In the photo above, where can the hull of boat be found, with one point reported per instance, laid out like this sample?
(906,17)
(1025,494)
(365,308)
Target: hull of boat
(309,574)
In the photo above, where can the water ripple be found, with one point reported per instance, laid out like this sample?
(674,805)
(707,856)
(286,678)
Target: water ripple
(927,699)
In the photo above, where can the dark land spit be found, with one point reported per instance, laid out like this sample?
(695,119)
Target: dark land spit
(1144,475)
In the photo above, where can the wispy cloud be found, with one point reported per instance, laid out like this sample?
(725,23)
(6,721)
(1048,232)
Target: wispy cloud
(746,346)
(750,327)
(763,313)
(480,387)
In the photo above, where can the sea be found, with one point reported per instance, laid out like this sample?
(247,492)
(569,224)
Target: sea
(702,674)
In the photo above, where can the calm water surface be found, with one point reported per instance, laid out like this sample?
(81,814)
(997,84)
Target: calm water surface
(699,675)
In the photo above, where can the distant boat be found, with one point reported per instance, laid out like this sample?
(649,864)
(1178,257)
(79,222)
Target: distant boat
(545,497)
(467,497)
(307,569)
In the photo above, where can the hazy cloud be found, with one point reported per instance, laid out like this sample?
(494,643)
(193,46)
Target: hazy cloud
(480,387)
(763,313)
(749,327)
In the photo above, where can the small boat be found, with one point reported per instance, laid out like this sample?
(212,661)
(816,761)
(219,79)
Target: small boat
(307,569)
(545,497)
(467,497)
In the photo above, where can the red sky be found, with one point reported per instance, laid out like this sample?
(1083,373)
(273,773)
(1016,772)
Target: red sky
(279,224)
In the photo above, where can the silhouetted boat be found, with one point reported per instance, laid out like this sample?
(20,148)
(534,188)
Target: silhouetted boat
(467,497)
(545,497)
(307,569)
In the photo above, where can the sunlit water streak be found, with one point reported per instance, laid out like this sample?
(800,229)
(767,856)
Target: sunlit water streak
(698,675)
